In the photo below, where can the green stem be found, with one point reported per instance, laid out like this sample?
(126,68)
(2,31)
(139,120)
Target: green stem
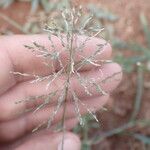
(69,72)
(121,129)
(139,92)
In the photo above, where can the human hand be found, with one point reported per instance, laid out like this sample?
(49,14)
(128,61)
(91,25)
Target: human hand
(15,128)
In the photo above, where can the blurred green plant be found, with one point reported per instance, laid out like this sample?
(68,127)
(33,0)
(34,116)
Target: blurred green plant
(142,52)
(89,124)
(34,22)
(101,16)
(144,139)
(99,137)
(101,13)
(35,4)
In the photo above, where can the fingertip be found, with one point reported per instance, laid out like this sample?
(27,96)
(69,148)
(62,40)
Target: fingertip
(108,51)
(53,141)
(91,46)
(116,69)
(113,75)
(71,142)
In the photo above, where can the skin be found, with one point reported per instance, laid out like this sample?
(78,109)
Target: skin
(15,128)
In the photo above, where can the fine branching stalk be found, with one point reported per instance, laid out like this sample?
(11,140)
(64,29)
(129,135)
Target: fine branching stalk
(68,33)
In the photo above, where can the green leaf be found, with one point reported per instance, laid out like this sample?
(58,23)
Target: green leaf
(144,139)
(34,5)
(102,13)
(145,27)
(119,44)
(85,147)
(142,53)
(129,62)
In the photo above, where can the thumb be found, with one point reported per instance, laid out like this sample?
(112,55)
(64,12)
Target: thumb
(51,142)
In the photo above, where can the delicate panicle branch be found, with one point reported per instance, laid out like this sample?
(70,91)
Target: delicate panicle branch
(60,101)
(84,83)
(46,101)
(39,126)
(91,112)
(76,107)
(44,97)
(91,59)
(55,76)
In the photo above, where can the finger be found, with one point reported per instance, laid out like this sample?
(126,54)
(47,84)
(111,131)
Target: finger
(15,128)
(11,109)
(50,141)
(19,59)
(27,123)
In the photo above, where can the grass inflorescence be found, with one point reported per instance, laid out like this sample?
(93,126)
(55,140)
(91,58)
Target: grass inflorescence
(68,32)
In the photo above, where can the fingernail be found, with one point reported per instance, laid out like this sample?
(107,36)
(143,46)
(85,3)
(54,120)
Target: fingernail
(69,144)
